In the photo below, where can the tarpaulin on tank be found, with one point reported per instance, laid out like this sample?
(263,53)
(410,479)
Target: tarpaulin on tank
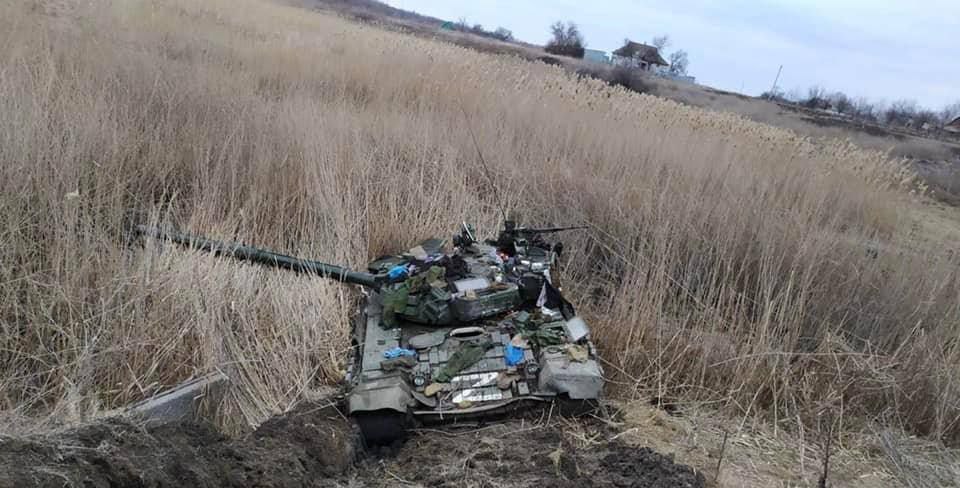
(463,358)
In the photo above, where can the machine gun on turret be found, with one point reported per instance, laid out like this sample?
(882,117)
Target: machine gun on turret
(514,239)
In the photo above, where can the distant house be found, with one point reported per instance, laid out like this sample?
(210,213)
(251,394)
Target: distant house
(641,56)
(596,56)
(953,126)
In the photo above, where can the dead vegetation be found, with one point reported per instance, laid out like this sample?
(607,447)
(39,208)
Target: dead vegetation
(727,262)
(758,455)
(898,141)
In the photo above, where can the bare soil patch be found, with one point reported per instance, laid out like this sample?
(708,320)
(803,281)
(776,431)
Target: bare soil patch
(524,455)
(315,445)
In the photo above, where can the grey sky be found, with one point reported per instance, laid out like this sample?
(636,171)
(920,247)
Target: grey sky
(881,49)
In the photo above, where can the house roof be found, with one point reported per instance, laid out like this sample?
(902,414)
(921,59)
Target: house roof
(955,123)
(647,53)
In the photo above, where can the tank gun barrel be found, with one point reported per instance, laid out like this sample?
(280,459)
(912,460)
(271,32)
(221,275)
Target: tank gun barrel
(548,230)
(264,257)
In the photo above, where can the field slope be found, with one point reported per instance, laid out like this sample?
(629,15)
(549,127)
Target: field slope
(726,262)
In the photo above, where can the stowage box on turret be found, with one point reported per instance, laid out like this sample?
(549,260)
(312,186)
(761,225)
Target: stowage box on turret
(449,332)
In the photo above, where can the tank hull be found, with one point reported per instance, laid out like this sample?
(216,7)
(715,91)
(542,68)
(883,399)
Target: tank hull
(491,385)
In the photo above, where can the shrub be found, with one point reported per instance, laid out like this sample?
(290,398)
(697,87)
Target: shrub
(566,41)
(503,34)
(631,79)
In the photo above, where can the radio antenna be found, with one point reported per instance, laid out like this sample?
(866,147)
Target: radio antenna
(483,163)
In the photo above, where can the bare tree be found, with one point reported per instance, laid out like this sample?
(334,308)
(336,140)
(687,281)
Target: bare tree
(817,98)
(679,62)
(503,34)
(900,112)
(926,118)
(660,42)
(841,103)
(864,110)
(567,40)
(949,113)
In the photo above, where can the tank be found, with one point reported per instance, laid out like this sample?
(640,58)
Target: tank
(448,331)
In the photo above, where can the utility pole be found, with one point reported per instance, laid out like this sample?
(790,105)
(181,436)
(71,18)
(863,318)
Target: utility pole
(773,90)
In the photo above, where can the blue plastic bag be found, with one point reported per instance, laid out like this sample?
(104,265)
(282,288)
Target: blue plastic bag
(397,272)
(397,352)
(513,355)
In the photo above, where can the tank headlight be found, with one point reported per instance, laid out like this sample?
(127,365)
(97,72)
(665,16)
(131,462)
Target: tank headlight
(532,368)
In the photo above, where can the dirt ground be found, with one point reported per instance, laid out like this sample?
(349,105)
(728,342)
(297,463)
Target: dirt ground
(314,446)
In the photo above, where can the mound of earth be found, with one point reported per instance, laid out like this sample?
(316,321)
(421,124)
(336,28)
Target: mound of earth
(315,446)
(310,443)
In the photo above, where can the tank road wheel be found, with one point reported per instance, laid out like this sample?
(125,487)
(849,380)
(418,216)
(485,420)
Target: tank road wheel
(381,427)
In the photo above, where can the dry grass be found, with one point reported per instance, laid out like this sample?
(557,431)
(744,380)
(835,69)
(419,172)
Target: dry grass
(384,16)
(758,456)
(727,262)
(803,121)
(809,123)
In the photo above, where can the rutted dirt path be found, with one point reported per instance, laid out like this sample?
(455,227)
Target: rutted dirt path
(313,446)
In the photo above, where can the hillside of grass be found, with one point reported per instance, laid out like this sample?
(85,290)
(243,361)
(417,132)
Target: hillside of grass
(727,262)
(935,158)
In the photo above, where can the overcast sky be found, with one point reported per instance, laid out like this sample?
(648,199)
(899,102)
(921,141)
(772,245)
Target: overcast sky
(881,49)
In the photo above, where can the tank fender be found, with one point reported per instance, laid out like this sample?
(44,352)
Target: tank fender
(389,393)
